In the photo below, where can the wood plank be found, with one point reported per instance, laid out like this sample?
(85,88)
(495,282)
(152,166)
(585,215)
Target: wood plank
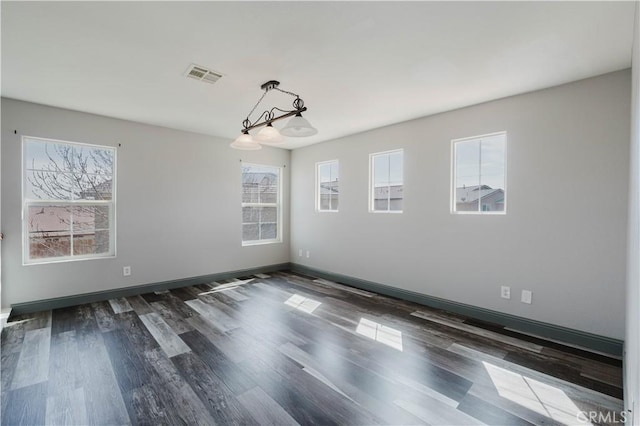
(145,407)
(215,316)
(104,316)
(434,413)
(168,340)
(184,406)
(214,394)
(120,305)
(488,413)
(265,410)
(230,374)
(139,305)
(344,288)
(478,331)
(175,319)
(67,408)
(129,370)
(64,375)
(103,397)
(33,365)
(26,405)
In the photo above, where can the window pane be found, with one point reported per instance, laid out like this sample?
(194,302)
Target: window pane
(334,201)
(395,168)
(90,218)
(328,187)
(41,185)
(492,173)
(250,232)
(467,178)
(395,201)
(48,156)
(260,185)
(49,231)
(250,214)
(325,201)
(388,181)
(334,171)
(90,160)
(324,173)
(268,231)
(250,193)
(67,172)
(381,198)
(94,187)
(381,170)
(268,214)
(381,205)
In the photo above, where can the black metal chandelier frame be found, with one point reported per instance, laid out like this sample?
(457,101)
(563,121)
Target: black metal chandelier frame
(269,116)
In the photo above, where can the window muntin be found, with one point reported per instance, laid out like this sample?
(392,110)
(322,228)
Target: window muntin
(386,182)
(327,186)
(261,211)
(479,174)
(68,201)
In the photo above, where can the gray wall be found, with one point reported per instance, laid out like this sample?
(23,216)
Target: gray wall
(178,208)
(564,233)
(632,341)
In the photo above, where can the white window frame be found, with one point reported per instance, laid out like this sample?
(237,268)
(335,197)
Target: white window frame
(277,205)
(318,203)
(372,181)
(453,175)
(26,203)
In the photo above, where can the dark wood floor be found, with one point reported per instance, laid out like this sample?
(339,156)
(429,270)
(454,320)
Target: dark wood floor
(288,349)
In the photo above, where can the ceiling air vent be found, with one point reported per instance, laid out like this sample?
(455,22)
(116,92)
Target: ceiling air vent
(203,74)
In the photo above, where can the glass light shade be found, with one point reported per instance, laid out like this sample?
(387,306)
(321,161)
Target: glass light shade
(245,142)
(269,135)
(298,126)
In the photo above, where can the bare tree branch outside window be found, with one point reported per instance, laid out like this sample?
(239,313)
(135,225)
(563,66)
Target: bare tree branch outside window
(69,198)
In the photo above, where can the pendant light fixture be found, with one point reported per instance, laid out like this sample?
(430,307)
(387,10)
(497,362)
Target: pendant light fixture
(298,126)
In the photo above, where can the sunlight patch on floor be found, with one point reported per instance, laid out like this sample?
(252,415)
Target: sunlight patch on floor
(380,333)
(302,303)
(534,395)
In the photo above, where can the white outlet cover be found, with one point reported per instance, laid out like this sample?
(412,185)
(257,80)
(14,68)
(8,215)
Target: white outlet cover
(526,296)
(126,271)
(300,252)
(308,254)
(505,292)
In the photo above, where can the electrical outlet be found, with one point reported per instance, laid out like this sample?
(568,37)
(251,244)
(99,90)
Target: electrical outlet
(505,292)
(308,254)
(126,271)
(299,252)
(526,296)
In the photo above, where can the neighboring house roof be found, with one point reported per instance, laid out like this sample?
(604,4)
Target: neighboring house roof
(471,194)
(383,192)
(258,177)
(103,188)
(56,219)
(329,188)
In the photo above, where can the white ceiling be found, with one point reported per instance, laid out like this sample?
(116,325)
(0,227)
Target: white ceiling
(357,65)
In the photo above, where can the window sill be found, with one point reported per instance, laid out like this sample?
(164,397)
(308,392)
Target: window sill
(260,243)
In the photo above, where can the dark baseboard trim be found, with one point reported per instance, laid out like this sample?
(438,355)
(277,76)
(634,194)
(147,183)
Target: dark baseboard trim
(98,296)
(544,330)
(540,329)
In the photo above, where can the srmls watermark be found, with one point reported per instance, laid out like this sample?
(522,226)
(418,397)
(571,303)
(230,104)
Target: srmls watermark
(599,417)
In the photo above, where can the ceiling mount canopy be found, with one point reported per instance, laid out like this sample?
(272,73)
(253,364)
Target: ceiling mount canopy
(298,126)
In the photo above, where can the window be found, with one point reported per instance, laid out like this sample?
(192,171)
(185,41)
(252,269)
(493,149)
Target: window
(327,186)
(479,166)
(260,204)
(68,201)
(386,190)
